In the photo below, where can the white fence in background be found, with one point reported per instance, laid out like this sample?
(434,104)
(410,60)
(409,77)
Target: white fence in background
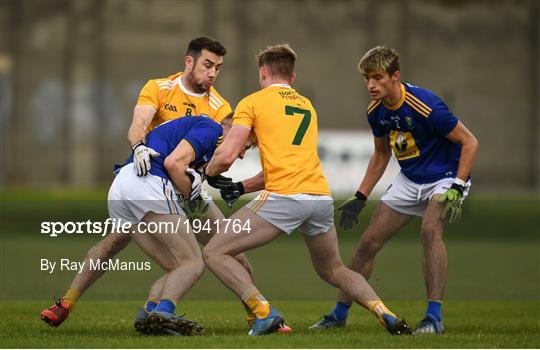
(344,156)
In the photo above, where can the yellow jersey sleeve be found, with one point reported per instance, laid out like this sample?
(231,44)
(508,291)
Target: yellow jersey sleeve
(219,107)
(149,95)
(222,112)
(244,114)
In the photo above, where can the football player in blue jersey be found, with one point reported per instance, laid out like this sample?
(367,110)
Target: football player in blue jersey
(181,144)
(436,153)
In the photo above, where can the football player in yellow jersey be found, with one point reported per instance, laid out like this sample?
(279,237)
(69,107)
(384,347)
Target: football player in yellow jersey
(182,94)
(185,93)
(284,125)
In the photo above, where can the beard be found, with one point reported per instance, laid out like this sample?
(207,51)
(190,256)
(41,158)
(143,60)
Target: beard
(198,87)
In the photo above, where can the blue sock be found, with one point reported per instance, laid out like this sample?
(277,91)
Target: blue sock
(166,305)
(434,309)
(341,311)
(150,305)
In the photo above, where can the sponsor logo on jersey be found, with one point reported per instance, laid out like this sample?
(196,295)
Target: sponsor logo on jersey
(404,145)
(170,107)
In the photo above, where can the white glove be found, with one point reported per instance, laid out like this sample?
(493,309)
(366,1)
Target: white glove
(141,158)
(196,183)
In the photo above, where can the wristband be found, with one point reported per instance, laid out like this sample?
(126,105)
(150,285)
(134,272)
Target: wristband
(140,143)
(240,187)
(459,182)
(458,188)
(360,195)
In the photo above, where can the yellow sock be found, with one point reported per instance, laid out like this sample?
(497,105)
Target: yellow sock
(378,308)
(70,298)
(250,316)
(256,302)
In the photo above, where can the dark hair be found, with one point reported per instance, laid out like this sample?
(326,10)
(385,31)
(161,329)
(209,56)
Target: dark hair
(279,58)
(198,44)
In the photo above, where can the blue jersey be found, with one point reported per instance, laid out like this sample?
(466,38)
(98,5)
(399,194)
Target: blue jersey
(202,133)
(416,129)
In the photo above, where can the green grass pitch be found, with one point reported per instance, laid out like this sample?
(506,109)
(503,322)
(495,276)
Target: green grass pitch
(492,296)
(104,324)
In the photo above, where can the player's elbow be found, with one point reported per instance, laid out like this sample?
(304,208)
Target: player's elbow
(474,142)
(224,158)
(471,144)
(172,164)
(228,160)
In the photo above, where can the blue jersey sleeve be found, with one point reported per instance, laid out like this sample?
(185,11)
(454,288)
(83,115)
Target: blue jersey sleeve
(441,121)
(202,139)
(376,129)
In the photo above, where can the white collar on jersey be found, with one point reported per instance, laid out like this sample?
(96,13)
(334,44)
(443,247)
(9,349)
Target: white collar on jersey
(188,92)
(281,85)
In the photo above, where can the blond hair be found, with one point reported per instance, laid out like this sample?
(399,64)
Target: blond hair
(379,59)
(280,60)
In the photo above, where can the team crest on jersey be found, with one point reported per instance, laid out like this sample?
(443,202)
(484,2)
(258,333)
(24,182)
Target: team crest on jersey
(408,121)
(404,145)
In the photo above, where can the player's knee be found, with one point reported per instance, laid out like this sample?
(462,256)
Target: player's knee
(200,267)
(369,245)
(196,265)
(208,254)
(169,265)
(431,234)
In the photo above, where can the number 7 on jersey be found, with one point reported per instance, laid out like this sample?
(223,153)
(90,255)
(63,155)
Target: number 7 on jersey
(299,136)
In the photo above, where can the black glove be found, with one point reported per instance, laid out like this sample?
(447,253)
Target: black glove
(195,209)
(351,209)
(231,193)
(219,181)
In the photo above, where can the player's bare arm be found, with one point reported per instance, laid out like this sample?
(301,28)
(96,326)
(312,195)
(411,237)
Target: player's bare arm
(377,165)
(142,117)
(469,148)
(352,207)
(177,163)
(453,198)
(233,146)
(254,184)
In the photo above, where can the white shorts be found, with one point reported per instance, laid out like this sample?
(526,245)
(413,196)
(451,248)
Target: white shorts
(407,197)
(311,214)
(132,196)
